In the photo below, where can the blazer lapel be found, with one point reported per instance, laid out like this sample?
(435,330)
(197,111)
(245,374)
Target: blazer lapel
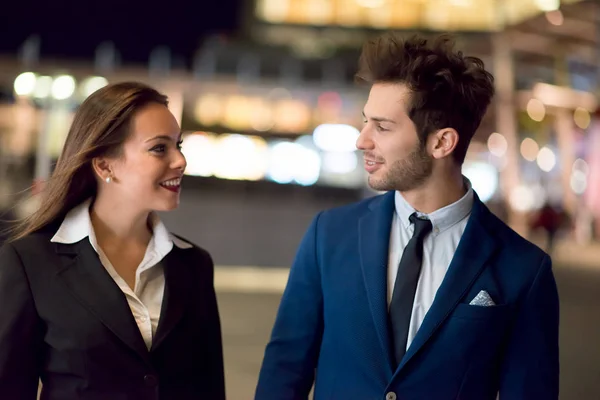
(177,290)
(89,282)
(475,248)
(374,237)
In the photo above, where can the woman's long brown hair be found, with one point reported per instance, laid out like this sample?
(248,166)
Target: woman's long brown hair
(99,128)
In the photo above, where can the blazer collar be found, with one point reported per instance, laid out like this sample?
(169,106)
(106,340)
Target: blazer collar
(88,282)
(77,225)
(475,248)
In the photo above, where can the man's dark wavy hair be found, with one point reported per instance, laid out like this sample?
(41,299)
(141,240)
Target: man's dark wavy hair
(448,89)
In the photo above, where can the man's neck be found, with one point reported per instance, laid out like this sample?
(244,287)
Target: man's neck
(436,194)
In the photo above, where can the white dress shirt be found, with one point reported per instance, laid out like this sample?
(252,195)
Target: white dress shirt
(145,300)
(438,250)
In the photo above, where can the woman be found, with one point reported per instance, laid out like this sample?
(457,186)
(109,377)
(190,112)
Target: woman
(96,297)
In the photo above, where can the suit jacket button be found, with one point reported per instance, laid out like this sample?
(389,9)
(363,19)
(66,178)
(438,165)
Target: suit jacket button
(150,380)
(390,396)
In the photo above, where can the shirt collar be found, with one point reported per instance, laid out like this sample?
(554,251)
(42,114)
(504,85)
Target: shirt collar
(77,226)
(441,219)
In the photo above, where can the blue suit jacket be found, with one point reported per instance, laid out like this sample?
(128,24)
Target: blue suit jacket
(332,321)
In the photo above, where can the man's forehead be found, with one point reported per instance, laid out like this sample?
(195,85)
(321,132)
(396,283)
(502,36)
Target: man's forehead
(390,99)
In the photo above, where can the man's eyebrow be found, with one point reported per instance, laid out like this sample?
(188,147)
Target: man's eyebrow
(379,119)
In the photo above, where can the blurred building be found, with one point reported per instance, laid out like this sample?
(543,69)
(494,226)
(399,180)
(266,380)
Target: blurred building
(276,106)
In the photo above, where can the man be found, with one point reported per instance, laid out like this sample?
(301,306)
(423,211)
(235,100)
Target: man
(420,293)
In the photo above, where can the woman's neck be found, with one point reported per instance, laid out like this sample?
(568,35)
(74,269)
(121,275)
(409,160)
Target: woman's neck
(115,224)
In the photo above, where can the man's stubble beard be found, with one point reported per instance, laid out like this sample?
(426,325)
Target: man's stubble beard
(406,174)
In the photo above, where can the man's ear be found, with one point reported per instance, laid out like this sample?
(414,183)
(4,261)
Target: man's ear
(443,142)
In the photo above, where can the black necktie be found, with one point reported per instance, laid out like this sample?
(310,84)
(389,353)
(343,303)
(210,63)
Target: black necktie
(406,286)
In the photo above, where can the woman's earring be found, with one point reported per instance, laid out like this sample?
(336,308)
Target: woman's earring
(108,179)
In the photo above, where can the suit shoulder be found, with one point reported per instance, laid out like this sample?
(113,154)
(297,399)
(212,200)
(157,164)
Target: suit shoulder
(29,252)
(32,243)
(186,245)
(512,242)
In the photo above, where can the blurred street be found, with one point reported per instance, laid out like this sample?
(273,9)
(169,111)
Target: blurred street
(270,113)
(247,319)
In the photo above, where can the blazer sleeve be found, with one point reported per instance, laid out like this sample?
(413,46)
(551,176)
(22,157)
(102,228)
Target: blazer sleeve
(531,365)
(20,337)
(291,356)
(215,356)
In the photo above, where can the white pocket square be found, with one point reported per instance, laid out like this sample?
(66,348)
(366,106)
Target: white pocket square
(483,299)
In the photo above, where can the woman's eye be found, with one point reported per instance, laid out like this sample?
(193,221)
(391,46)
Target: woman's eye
(160,148)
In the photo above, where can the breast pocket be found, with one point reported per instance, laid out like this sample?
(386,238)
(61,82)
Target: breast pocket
(476,331)
(466,311)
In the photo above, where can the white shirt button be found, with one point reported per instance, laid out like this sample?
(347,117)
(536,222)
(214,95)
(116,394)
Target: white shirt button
(143,318)
(390,396)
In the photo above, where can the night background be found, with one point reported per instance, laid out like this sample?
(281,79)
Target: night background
(264,93)
(73,29)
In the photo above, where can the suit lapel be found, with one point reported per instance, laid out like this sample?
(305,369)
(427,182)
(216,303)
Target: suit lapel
(177,291)
(475,248)
(89,282)
(374,237)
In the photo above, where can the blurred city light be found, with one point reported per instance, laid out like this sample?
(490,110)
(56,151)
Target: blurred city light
(329,105)
(291,162)
(546,159)
(63,87)
(292,116)
(555,17)
(209,109)
(261,116)
(43,87)
(282,165)
(497,144)
(339,162)
(564,97)
(529,149)
(237,112)
(200,152)
(499,163)
(578,182)
(380,18)
(25,84)
(336,137)
(273,10)
(279,93)
(521,198)
(579,176)
(548,5)
(438,15)
(461,3)
(370,3)
(92,84)
(306,141)
(329,100)
(536,110)
(240,157)
(582,117)
(319,11)
(483,177)
(582,166)
(310,172)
